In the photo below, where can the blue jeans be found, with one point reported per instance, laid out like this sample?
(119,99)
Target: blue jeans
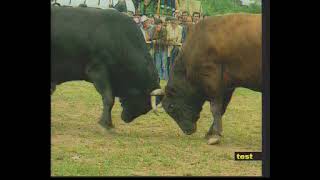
(160,58)
(174,54)
(158,63)
(171,3)
(158,101)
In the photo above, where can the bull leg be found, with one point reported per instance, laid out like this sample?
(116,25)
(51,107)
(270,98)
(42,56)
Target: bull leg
(218,108)
(108,102)
(101,82)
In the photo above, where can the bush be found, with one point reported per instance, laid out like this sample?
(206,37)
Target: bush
(214,7)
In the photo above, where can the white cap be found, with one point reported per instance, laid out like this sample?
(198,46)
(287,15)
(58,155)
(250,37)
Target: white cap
(144,18)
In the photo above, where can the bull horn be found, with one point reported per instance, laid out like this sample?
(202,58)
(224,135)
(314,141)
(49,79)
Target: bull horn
(157,92)
(154,106)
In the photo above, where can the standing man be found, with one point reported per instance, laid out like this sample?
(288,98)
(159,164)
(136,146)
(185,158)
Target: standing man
(121,6)
(159,41)
(174,39)
(136,19)
(137,4)
(195,17)
(147,31)
(151,19)
(177,14)
(160,49)
(185,15)
(184,19)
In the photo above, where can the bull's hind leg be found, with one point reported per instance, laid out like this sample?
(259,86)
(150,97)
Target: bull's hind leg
(218,108)
(99,77)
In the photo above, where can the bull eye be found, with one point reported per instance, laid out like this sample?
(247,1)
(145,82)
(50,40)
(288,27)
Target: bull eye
(171,106)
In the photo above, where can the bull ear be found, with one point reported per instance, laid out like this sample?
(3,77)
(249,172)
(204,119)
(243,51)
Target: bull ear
(157,92)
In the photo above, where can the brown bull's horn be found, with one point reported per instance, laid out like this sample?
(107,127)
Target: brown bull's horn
(157,92)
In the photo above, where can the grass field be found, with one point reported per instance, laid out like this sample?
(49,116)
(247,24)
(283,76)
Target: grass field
(151,145)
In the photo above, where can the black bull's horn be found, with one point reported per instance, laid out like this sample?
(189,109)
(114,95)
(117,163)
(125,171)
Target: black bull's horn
(153,94)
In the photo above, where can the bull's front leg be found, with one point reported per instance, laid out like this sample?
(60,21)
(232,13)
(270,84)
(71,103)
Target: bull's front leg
(100,78)
(218,108)
(215,131)
(108,102)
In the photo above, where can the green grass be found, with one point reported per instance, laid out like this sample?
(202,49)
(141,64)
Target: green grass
(151,145)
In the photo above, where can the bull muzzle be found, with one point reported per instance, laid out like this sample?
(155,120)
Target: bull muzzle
(154,94)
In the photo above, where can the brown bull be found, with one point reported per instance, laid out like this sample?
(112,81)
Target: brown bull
(221,53)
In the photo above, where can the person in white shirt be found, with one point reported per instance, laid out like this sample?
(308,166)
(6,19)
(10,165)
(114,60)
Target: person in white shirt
(174,39)
(147,31)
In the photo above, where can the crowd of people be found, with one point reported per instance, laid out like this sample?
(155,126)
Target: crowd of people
(165,37)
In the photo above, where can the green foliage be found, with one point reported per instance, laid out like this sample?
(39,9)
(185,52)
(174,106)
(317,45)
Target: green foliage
(214,7)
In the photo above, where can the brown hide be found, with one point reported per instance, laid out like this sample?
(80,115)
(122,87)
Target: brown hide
(232,40)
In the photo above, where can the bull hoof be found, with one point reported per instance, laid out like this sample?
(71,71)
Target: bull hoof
(216,139)
(106,125)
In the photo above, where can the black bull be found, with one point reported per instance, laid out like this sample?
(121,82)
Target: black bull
(106,48)
(220,54)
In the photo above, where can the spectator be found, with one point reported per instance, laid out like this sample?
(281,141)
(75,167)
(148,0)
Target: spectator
(136,19)
(160,49)
(145,28)
(168,5)
(195,17)
(147,31)
(110,4)
(121,6)
(184,16)
(136,4)
(184,19)
(172,7)
(177,14)
(174,38)
(151,18)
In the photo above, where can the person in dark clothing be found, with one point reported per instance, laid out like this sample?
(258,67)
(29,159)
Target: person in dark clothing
(121,6)
(159,41)
(183,23)
(136,3)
